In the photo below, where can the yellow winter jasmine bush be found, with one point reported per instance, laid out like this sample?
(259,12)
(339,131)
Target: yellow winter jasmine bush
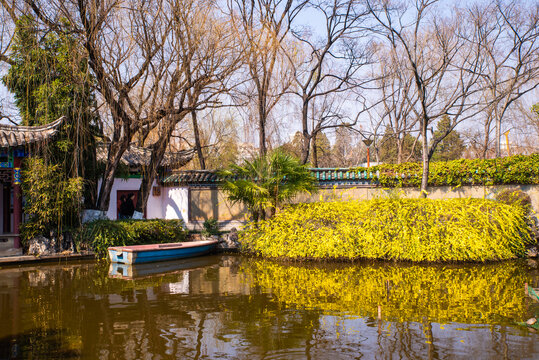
(399,229)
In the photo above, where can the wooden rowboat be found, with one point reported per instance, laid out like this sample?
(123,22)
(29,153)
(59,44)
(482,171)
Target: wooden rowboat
(139,254)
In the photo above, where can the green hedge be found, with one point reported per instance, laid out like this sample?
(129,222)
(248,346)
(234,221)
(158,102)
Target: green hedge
(518,169)
(400,229)
(101,234)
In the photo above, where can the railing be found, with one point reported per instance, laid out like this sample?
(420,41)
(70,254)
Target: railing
(339,176)
(324,177)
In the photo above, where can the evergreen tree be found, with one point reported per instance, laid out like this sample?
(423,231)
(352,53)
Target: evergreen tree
(452,146)
(388,149)
(321,155)
(293,147)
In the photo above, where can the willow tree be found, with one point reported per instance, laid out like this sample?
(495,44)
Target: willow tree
(127,44)
(49,79)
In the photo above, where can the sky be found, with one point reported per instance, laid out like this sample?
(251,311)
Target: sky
(288,111)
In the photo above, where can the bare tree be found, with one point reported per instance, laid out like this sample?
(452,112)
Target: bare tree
(398,100)
(206,53)
(126,45)
(264,25)
(440,56)
(143,66)
(509,42)
(8,17)
(328,64)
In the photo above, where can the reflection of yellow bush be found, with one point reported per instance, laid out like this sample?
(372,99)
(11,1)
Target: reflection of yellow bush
(408,229)
(466,294)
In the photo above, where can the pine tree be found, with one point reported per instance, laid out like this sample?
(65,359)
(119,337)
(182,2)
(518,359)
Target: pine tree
(452,146)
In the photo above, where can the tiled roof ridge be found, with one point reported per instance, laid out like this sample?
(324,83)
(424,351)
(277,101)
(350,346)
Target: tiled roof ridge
(15,135)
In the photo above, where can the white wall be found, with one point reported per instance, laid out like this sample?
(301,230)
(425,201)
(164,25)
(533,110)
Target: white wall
(175,203)
(154,209)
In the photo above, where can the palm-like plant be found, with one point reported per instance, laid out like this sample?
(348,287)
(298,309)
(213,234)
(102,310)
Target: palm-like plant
(266,182)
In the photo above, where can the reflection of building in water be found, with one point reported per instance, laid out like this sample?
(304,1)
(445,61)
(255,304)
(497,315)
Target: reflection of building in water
(218,280)
(213,280)
(181,287)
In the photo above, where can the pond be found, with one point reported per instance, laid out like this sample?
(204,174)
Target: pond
(234,307)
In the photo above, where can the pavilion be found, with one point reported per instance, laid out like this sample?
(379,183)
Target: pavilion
(16,142)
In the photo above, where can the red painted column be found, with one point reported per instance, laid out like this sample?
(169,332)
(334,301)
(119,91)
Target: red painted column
(17,200)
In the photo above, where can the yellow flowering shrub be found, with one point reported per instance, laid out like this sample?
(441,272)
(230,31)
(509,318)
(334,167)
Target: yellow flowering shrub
(399,229)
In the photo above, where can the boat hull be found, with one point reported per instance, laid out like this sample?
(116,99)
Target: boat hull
(140,254)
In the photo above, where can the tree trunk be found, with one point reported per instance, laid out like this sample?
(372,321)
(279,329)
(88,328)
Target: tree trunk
(116,150)
(426,158)
(158,152)
(88,172)
(197,140)
(498,136)
(305,144)
(499,117)
(315,152)
(400,142)
(262,131)
(486,140)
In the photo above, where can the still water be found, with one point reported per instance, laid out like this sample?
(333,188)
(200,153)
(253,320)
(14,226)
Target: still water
(237,307)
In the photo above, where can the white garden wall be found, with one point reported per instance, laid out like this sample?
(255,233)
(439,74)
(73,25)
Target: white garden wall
(175,203)
(153,209)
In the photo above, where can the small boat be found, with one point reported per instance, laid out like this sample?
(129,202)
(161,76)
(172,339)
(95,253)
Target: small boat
(138,254)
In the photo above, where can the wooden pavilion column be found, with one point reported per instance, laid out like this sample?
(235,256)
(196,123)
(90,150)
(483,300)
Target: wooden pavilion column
(17,200)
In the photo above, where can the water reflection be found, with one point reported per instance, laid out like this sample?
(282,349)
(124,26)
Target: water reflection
(236,307)
(132,271)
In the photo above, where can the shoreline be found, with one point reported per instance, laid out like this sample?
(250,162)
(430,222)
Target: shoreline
(30,259)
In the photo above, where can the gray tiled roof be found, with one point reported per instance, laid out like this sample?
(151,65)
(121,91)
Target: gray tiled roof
(138,156)
(323,176)
(15,136)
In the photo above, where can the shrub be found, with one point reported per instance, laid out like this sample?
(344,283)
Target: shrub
(400,229)
(518,169)
(101,234)
(515,197)
(267,182)
(210,227)
(52,200)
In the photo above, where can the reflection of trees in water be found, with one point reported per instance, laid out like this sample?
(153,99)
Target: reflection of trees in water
(39,344)
(265,325)
(275,309)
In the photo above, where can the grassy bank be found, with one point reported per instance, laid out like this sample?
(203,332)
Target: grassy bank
(399,229)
